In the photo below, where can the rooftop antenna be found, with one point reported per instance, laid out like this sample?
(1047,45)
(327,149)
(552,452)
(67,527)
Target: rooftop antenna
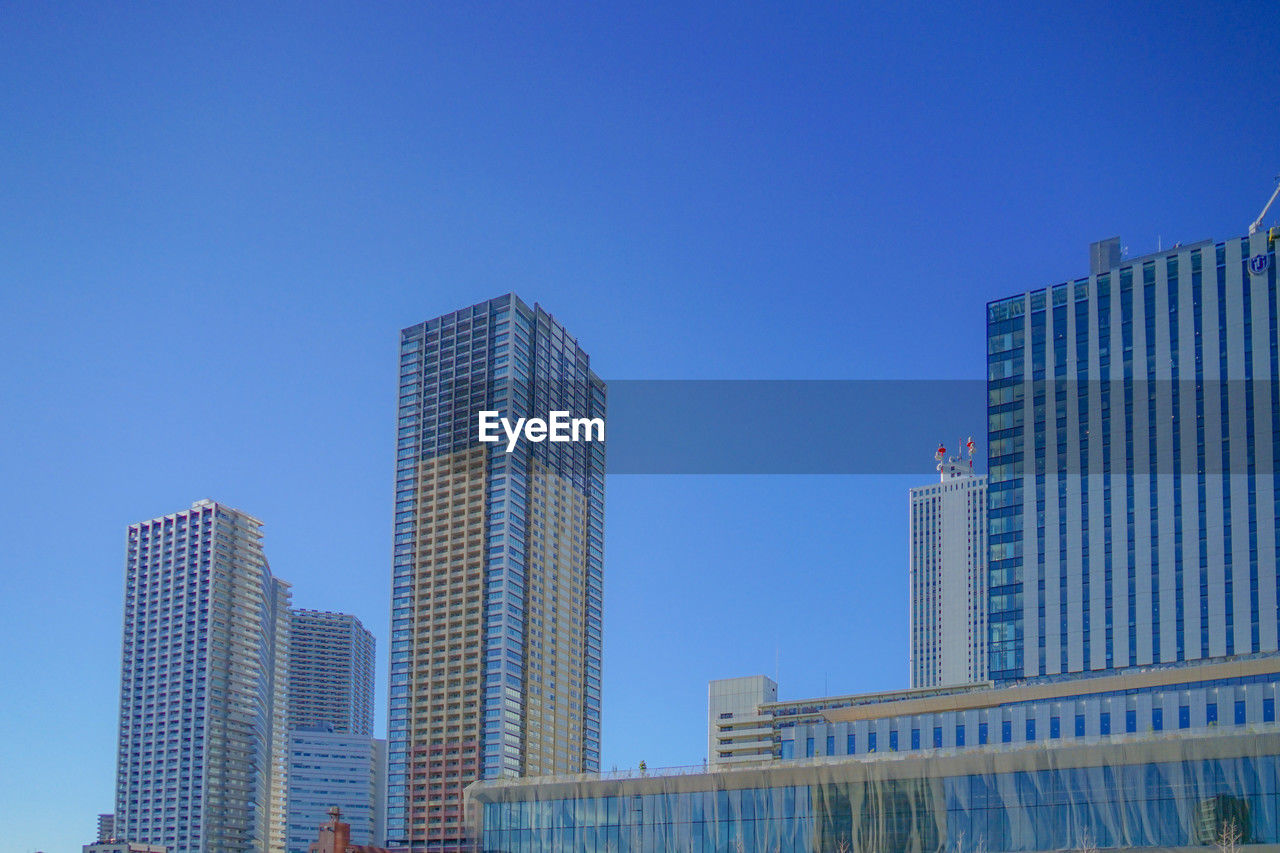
(1257,223)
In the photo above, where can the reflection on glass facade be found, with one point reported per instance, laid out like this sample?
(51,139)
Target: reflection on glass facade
(1133,432)
(1141,793)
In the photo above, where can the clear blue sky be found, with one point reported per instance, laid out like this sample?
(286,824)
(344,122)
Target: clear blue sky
(214,219)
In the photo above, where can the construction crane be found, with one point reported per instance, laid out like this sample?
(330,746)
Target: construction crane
(1257,223)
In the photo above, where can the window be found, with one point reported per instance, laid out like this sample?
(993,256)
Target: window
(1104,722)
(1079,725)
(871,741)
(1211,713)
(808,747)
(982,733)
(1184,716)
(1055,727)
(960,735)
(1239,709)
(831,744)
(1031,730)
(1006,731)
(893,740)
(1268,710)
(937,737)
(851,744)
(915,738)
(1157,719)
(1130,721)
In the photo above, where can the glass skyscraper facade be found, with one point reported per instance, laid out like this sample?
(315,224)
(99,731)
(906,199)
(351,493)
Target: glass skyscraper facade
(202,763)
(1134,421)
(498,567)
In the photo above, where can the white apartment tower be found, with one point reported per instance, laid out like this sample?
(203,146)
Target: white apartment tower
(331,672)
(202,765)
(333,759)
(948,561)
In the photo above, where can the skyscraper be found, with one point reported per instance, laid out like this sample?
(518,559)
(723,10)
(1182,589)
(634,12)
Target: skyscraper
(498,567)
(1133,442)
(201,764)
(948,568)
(333,760)
(331,672)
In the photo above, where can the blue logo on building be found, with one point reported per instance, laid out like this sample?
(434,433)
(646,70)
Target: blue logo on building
(1258,264)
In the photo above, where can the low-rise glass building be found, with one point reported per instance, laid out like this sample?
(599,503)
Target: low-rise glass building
(1186,697)
(1163,791)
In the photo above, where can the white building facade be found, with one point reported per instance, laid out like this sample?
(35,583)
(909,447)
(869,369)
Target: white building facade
(737,731)
(333,760)
(948,569)
(201,762)
(327,769)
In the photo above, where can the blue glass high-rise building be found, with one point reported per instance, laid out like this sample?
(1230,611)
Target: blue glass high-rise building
(1134,431)
(498,567)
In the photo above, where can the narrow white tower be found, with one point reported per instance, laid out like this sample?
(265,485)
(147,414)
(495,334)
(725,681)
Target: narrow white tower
(948,563)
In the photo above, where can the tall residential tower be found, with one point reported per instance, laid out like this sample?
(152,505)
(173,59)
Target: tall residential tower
(331,672)
(948,567)
(1134,432)
(498,567)
(201,764)
(333,759)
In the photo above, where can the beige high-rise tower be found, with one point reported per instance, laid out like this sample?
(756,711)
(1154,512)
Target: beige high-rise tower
(497,582)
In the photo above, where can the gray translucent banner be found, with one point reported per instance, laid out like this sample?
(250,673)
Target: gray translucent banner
(895,427)
(788,426)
